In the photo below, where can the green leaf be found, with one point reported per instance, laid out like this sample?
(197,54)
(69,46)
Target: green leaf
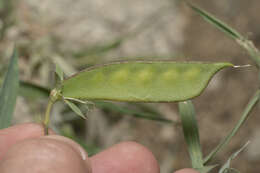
(124,110)
(216,22)
(141,81)
(226,167)
(233,132)
(9,92)
(191,133)
(32,91)
(75,108)
(59,72)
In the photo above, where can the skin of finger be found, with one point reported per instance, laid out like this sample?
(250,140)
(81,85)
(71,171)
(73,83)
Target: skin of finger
(43,155)
(14,134)
(74,146)
(127,157)
(187,170)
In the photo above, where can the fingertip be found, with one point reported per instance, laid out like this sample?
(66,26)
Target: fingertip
(125,157)
(142,155)
(10,136)
(25,127)
(45,154)
(77,148)
(24,130)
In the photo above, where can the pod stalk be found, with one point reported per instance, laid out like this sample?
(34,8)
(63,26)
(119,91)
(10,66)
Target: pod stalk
(55,95)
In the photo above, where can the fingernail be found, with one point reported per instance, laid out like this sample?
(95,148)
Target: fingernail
(73,144)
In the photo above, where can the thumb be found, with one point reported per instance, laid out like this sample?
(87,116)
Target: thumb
(52,154)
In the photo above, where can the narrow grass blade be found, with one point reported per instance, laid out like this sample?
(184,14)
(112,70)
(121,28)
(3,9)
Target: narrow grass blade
(126,111)
(241,121)
(32,91)
(226,167)
(75,108)
(242,41)
(191,133)
(9,92)
(216,22)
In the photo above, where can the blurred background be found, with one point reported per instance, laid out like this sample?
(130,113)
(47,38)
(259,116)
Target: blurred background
(76,34)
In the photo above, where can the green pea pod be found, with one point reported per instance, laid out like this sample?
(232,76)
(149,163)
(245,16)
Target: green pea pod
(141,81)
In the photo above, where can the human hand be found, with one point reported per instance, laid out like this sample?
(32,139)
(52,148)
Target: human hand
(24,149)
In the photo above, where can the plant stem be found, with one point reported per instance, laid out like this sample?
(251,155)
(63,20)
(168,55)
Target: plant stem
(251,49)
(47,117)
(55,95)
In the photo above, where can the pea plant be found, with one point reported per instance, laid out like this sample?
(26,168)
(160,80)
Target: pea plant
(141,81)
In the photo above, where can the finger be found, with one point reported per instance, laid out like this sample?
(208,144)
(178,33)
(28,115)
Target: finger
(52,154)
(14,134)
(186,170)
(126,157)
